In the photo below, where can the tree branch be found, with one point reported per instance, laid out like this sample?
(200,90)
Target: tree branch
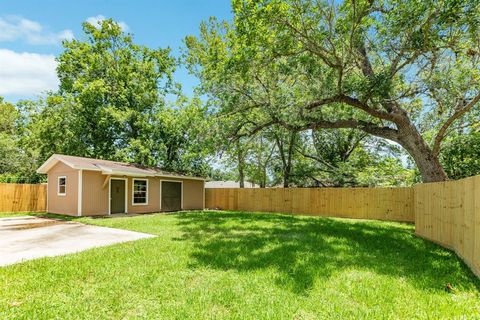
(257,129)
(457,114)
(342,98)
(332,168)
(368,127)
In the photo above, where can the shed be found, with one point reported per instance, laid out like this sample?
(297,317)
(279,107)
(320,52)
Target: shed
(91,187)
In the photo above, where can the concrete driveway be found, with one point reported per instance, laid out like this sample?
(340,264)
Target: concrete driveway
(26,238)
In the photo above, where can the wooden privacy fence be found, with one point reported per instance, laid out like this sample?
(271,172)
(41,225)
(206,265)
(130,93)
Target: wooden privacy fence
(393,204)
(23,197)
(449,213)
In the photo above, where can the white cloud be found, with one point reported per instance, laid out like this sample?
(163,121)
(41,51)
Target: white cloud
(26,73)
(96,20)
(14,28)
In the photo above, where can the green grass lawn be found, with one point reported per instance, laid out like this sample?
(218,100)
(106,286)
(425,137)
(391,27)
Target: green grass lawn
(234,265)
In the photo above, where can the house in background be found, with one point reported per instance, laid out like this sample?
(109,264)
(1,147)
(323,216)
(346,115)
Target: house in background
(229,184)
(91,187)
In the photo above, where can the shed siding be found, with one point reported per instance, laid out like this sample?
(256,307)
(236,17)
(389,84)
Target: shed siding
(95,194)
(63,204)
(193,194)
(153,196)
(96,198)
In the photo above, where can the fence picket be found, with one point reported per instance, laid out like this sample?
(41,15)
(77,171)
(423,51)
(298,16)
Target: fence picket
(392,204)
(23,197)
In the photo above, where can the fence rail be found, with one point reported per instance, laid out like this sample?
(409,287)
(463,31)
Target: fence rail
(23,197)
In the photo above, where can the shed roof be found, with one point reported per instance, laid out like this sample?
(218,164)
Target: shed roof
(109,167)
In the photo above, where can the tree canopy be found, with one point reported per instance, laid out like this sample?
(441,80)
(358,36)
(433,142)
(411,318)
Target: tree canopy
(292,93)
(110,105)
(406,71)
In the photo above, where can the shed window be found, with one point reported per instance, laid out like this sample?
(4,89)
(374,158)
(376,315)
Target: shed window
(62,186)
(140,191)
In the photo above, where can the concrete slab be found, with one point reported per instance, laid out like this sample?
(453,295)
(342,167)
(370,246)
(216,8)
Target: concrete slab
(26,238)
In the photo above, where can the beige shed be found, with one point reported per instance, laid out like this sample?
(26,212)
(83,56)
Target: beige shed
(91,187)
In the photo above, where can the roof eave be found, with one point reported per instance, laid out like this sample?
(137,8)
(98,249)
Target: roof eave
(51,162)
(179,177)
(54,159)
(112,172)
(141,175)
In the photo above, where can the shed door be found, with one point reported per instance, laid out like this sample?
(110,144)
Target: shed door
(117,196)
(171,196)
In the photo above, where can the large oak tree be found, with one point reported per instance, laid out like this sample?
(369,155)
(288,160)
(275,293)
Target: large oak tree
(404,70)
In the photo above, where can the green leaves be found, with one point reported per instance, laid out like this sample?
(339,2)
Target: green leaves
(407,64)
(16,162)
(110,105)
(461,155)
(115,87)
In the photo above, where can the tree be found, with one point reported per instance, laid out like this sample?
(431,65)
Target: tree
(235,156)
(16,162)
(348,157)
(180,138)
(50,128)
(258,160)
(330,152)
(113,88)
(247,159)
(406,71)
(8,139)
(110,105)
(286,143)
(461,156)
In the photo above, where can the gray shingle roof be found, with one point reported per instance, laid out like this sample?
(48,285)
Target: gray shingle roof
(109,167)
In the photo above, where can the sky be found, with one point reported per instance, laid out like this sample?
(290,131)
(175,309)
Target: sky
(31,33)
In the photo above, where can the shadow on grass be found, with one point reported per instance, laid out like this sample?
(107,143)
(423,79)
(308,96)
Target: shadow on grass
(304,250)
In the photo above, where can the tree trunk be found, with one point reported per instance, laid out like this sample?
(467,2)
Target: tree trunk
(428,164)
(263,180)
(288,167)
(286,178)
(286,160)
(262,184)
(241,174)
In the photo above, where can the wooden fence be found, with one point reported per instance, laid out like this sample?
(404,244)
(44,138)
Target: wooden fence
(394,204)
(449,213)
(23,197)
